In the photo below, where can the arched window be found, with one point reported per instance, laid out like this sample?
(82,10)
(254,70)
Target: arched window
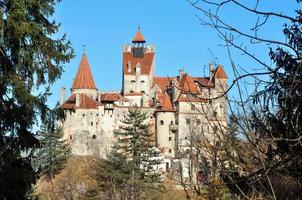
(94,137)
(167,166)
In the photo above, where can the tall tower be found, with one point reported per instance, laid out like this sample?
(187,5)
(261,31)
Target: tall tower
(138,66)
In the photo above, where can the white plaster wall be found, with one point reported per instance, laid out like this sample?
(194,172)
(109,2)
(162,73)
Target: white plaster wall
(89,92)
(142,83)
(163,132)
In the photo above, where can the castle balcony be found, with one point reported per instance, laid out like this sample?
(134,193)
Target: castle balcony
(173,128)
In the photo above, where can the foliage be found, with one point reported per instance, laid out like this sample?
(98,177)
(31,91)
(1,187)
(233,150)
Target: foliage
(280,120)
(54,151)
(269,152)
(31,60)
(131,168)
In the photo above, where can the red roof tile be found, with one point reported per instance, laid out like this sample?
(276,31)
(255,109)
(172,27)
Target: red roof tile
(190,98)
(220,73)
(138,37)
(145,62)
(162,82)
(187,85)
(84,78)
(112,97)
(204,81)
(85,103)
(69,104)
(165,103)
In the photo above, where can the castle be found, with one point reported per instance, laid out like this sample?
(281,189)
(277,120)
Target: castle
(177,107)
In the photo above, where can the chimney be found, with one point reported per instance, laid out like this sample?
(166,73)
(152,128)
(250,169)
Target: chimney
(99,97)
(78,99)
(138,68)
(212,71)
(63,95)
(181,73)
(129,66)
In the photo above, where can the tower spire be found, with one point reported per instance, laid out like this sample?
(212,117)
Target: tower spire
(84,78)
(138,38)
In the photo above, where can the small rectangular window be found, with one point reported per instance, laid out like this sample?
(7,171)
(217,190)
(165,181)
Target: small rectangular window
(170,138)
(91,123)
(187,121)
(198,122)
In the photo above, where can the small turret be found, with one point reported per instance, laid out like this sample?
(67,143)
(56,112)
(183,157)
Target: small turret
(63,95)
(138,44)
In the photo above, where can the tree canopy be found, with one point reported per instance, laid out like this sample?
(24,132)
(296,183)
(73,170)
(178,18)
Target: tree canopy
(31,60)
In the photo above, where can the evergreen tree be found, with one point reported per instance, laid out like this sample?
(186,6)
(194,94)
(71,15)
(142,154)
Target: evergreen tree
(132,166)
(31,59)
(54,151)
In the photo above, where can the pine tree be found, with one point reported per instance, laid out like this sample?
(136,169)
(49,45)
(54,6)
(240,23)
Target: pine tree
(54,151)
(31,59)
(133,162)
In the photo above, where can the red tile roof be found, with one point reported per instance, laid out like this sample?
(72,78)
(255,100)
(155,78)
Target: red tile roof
(84,78)
(145,62)
(113,97)
(69,104)
(85,103)
(204,81)
(190,98)
(220,73)
(138,37)
(187,85)
(162,82)
(165,103)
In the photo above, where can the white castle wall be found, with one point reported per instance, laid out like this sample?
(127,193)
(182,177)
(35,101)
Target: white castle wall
(164,137)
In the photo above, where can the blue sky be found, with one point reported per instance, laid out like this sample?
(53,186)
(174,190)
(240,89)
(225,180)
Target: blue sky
(104,26)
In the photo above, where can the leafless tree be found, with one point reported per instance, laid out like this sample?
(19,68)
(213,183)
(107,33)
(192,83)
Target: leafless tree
(254,164)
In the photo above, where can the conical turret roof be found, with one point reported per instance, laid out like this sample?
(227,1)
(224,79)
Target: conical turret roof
(220,73)
(84,78)
(138,38)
